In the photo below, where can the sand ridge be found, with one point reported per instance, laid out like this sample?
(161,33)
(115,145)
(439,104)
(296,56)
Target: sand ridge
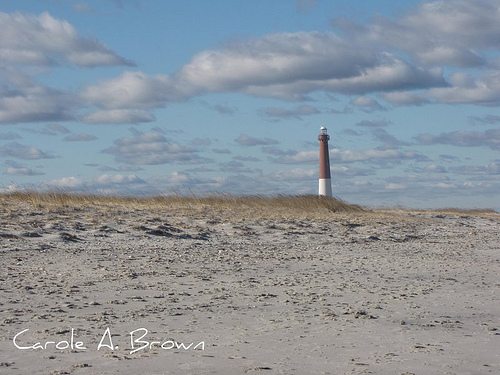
(385,292)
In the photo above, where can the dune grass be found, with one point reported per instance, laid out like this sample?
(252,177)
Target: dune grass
(228,206)
(259,206)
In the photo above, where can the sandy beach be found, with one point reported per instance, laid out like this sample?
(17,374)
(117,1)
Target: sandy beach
(197,288)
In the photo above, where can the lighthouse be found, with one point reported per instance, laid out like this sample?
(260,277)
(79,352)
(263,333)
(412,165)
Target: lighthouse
(325,182)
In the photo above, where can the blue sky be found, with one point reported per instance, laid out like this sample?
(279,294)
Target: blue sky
(162,97)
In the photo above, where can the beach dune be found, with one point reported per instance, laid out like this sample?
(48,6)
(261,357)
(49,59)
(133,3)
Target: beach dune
(228,285)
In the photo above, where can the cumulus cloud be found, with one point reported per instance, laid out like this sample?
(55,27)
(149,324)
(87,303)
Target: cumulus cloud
(351,132)
(246,140)
(132,90)
(57,129)
(284,65)
(118,116)
(51,129)
(24,101)
(298,157)
(20,151)
(107,179)
(485,120)
(376,155)
(221,150)
(488,138)
(295,174)
(399,98)
(296,112)
(45,40)
(367,104)
(437,35)
(152,147)
(119,168)
(179,178)
(246,158)
(276,59)
(401,60)
(70,182)
(17,169)
(236,166)
(103,184)
(443,32)
(373,123)
(489,169)
(467,89)
(80,137)
(224,109)
(388,140)
(394,186)
(433,168)
(21,171)
(40,41)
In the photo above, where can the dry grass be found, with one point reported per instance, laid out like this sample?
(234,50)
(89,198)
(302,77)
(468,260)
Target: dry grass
(242,206)
(229,207)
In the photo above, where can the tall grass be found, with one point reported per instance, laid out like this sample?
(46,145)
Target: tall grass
(264,204)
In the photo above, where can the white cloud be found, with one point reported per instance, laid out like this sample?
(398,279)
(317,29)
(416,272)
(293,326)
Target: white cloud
(404,98)
(149,148)
(17,169)
(70,182)
(285,65)
(402,60)
(118,116)
(295,174)
(485,120)
(107,179)
(20,151)
(374,155)
(444,185)
(367,104)
(388,140)
(466,89)
(103,184)
(246,140)
(178,178)
(297,157)
(373,123)
(488,138)
(296,112)
(394,186)
(45,40)
(276,59)
(443,32)
(132,90)
(24,101)
(57,129)
(80,137)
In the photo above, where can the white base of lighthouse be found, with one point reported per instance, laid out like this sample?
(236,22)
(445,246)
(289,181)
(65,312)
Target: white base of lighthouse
(325,187)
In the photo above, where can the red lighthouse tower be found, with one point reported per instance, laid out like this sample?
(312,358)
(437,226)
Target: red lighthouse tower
(325,182)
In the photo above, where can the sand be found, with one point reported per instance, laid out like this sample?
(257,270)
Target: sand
(385,292)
